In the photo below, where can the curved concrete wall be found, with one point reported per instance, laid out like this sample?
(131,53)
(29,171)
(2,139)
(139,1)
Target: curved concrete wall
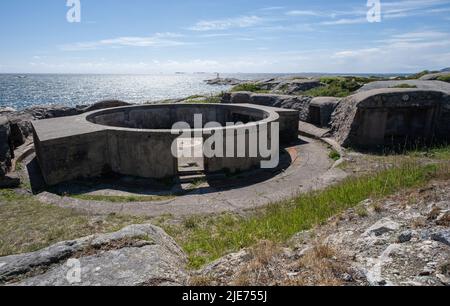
(137,140)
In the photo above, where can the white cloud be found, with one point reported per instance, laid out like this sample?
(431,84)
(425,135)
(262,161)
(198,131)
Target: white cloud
(389,10)
(272,8)
(225,24)
(303,13)
(156,40)
(345,21)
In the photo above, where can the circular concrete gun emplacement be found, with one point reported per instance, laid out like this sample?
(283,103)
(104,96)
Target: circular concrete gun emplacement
(144,141)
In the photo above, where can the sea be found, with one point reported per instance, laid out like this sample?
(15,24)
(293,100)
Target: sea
(20,91)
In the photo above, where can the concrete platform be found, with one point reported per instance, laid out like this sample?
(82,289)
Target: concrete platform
(309,168)
(137,140)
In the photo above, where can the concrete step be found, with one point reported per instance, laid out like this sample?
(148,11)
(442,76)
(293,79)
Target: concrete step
(191,177)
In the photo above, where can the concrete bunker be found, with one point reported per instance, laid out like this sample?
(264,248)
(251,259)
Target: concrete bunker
(393,118)
(321,109)
(137,140)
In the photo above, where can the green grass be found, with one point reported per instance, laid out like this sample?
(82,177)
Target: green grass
(404,86)
(338,86)
(444,78)
(439,152)
(334,155)
(206,239)
(206,100)
(26,225)
(248,87)
(121,199)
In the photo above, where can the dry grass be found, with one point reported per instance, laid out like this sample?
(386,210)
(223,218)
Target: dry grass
(323,266)
(261,270)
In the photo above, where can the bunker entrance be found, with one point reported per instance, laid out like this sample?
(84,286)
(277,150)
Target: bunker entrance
(409,126)
(190,155)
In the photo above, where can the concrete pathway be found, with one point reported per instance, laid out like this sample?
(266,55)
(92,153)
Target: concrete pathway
(310,169)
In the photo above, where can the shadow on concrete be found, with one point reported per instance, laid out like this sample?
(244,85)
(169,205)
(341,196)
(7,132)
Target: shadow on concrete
(151,187)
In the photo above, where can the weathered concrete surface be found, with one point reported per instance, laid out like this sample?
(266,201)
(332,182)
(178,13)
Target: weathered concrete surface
(420,84)
(392,117)
(310,169)
(118,139)
(320,110)
(136,255)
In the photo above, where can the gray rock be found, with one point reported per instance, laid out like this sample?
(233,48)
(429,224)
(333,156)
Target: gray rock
(6,110)
(420,84)
(105,104)
(295,86)
(6,152)
(20,122)
(442,236)
(382,227)
(136,255)
(434,76)
(300,103)
(444,218)
(405,236)
(225,81)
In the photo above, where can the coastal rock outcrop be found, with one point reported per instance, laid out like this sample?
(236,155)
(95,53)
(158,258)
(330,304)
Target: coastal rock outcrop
(288,85)
(291,86)
(105,104)
(419,84)
(224,82)
(300,103)
(136,255)
(353,248)
(5,146)
(435,76)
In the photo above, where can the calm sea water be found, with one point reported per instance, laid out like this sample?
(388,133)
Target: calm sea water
(22,91)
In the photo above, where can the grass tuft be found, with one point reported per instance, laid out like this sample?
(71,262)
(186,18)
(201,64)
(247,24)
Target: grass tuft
(334,155)
(214,237)
(444,78)
(404,86)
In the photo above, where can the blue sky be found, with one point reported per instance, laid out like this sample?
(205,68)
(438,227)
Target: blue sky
(142,36)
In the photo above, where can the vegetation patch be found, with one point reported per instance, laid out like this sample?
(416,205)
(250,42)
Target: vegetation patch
(208,238)
(252,87)
(404,86)
(339,86)
(444,78)
(334,155)
(438,152)
(205,99)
